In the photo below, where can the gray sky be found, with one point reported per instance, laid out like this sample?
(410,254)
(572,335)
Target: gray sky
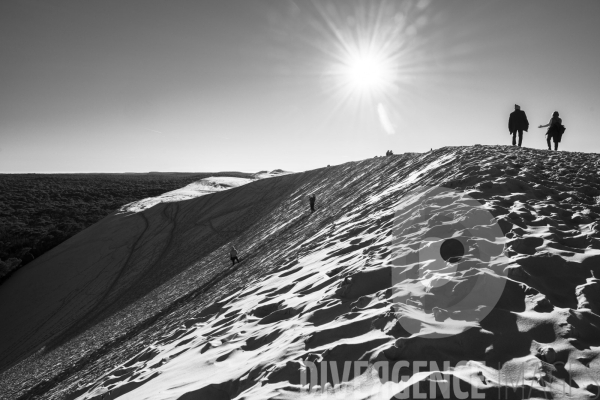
(133,85)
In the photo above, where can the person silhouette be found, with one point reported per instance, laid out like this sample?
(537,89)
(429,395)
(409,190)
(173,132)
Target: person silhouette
(233,255)
(554,131)
(517,123)
(312,198)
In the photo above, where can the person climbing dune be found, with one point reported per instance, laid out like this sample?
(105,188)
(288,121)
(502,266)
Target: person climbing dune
(312,199)
(233,254)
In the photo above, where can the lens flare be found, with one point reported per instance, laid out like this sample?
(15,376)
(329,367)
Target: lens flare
(368,58)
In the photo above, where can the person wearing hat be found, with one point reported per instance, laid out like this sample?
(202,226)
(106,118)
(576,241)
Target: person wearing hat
(554,131)
(517,123)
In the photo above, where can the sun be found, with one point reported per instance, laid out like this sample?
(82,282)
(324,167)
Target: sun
(367,73)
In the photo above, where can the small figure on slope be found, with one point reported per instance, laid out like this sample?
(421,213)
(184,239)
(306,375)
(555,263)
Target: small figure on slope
(312,198)
(233,254)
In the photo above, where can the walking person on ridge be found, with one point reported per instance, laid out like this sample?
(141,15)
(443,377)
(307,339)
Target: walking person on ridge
(517,123)
(555,130)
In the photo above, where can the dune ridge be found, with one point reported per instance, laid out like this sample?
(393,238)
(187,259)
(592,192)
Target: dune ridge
(199,188)
(319,289)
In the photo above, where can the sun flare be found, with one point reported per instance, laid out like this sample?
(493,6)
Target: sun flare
(367,73)
(370,58)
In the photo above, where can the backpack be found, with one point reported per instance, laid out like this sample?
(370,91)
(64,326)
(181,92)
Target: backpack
(561,129)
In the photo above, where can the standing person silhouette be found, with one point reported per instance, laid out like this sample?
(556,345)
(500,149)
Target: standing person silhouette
(312,198)
(517,123)
(554,131)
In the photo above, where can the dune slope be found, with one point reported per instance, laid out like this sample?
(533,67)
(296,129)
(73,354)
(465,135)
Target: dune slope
(329,288)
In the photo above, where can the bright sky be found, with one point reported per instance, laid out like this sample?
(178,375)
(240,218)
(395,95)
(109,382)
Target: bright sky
(213,85)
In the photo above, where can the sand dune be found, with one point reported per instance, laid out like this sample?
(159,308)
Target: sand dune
(359,283)
(196,189)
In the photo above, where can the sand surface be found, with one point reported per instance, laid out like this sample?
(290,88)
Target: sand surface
(196,189)
(360,282)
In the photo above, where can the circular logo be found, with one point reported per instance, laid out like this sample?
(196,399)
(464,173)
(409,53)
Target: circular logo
(446,273)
